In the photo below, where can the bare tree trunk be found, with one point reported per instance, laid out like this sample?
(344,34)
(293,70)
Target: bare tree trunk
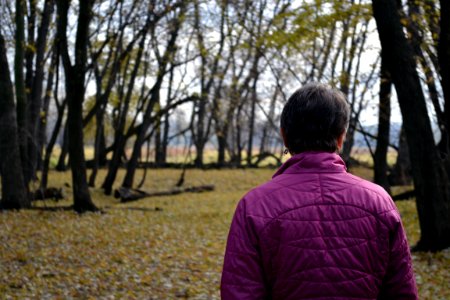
(75,89)
(37,80)
(99,142)
(416,38)
(19,81)
(120,139)
(430,171)
(51,144)
(14,193)
(384,114)
(53,73)
(267,126)
(61,164)
(401,173)
(154,98)
(159,156)
(347,67)
(444,60)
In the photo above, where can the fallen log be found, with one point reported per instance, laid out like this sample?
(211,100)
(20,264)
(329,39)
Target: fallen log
(404,196)
(129,194)
(53,193)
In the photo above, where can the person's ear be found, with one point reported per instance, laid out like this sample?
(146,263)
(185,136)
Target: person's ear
(283,135)
(340,141)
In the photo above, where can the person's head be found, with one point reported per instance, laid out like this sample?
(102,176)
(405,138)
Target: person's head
(315,118)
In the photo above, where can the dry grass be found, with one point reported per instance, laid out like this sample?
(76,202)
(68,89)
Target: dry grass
(157,248)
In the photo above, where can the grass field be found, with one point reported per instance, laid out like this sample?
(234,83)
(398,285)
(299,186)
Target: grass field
(156,248)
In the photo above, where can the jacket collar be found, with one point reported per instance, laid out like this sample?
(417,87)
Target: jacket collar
(313,162)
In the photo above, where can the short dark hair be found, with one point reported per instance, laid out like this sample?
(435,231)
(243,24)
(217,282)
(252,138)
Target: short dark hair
(314,117)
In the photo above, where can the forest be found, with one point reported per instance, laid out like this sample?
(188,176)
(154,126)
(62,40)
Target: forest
(124,116)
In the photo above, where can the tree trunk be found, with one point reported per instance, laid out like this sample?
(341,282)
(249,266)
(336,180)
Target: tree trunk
(51,144)
(222,144)
(159,156)
(430,172)
(19,81)
(252,122)
(42,132)
(37,80)
(52,74)
(444,60)
(14,193)
(99,141)
(154,99)
(384,114)
(61,164)
(120,137)
(75,89)
(165,134)
(416,37)
(401,174)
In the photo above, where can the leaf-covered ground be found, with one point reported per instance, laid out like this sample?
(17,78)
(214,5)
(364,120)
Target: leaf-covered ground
(156,248)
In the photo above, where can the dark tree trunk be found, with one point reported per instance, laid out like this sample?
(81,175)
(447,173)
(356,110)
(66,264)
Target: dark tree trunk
(159,155)
(99,142)
(166,130)
(222,144)
(37,80)
(401,173)
(444,60)
(200,132)
(51,144)
(252,122)
(118,146)
(416,37)
(237,159)
(29,53)
(75,77)
(114,164)
(14,193)
(61,164)
(165,138)
(19,81)
(430,172)
(120,139)
(154,99)
(349,141)
(384,114)
(52,74)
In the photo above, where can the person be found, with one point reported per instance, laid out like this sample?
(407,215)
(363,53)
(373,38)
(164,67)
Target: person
(315,231)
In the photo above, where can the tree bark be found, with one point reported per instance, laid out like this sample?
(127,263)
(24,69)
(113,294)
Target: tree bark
(154,98)
(61,164)
(14,193)
(401,173)
(430,171)
(19,81)
(444,60)
(35,104)
(120,138)
(53,73)
(75,89)
(384,114)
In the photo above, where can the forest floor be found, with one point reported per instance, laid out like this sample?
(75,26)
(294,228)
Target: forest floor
(155,248)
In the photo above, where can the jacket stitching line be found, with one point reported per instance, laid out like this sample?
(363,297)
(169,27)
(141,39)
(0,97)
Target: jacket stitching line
(332,204)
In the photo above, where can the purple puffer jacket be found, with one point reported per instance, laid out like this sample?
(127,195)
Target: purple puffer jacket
(317,232)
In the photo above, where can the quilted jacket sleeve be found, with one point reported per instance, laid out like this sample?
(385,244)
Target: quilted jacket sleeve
(399,281)
(242,275)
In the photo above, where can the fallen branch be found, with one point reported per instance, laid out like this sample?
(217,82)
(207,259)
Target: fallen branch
(404,196)
(128,195)
(48,193)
